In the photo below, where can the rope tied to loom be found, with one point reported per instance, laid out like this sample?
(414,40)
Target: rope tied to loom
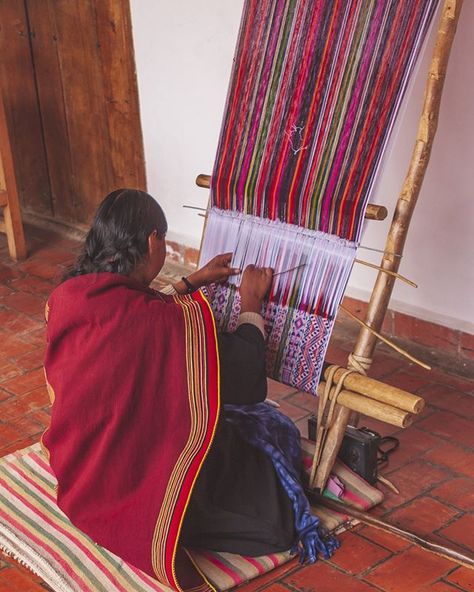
(358,363)
(326,407)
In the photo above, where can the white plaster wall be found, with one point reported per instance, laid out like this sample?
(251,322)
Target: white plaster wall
(183,52)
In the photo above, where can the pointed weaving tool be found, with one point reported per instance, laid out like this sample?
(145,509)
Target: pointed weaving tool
(288,270)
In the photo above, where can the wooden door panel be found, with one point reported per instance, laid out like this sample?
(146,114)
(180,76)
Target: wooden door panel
(80,73)
(121,94)
(17,85)
(44,40)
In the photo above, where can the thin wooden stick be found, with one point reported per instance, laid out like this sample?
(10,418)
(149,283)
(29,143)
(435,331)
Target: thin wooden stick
(394,346)
(392,273)
(466,560)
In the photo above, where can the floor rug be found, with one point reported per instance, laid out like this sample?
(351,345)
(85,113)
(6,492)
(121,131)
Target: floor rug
(35,532)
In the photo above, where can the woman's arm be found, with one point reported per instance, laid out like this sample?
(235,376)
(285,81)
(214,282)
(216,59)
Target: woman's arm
(242,353)
(216,270)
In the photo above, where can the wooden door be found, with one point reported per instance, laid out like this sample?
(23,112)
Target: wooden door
(80,129)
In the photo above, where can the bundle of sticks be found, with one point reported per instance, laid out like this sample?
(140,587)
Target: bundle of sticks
(372,398)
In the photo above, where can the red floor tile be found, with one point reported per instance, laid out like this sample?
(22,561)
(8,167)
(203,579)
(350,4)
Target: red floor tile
(36,338)
(458,492)
(443,397)
(31,360)
(462,577)
(12,346)
(14,580)
(293,412)
(408,381)
(41,268)
(461,531)
(4,291)
(456,458)
(409,571)
(32,285)
(413,479)
(21,324)
(24,302)
(276,390)
(304,400)
(413,443)
(32,401)
(25,383)
(8,371)
(384,365)
(440,586)
(450,426)
(357,554)
(384,539)
(322,577)
(422,516)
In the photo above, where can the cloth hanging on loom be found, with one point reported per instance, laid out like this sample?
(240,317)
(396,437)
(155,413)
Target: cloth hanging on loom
(313,96)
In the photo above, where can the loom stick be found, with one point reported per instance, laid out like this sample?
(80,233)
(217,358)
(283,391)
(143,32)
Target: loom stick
(373,212)
(382,291)
(370,407)
(375,389)
(392,273)
(466,560)
(394,346)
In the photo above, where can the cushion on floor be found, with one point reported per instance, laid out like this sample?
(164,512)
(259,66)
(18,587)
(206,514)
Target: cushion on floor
(35,532)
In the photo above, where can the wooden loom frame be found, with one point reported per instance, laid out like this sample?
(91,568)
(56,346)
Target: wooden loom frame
(361,358)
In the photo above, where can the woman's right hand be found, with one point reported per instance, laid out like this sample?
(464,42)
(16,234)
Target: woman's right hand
(255,284)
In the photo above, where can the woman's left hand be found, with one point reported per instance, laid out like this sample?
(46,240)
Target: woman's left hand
(216,270)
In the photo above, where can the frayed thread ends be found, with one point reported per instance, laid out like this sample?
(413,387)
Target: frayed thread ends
(317,541)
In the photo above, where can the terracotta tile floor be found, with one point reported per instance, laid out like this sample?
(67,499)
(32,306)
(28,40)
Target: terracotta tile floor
(434,467)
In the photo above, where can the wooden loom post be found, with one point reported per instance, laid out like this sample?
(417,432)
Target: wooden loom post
(381,293)
(9,200)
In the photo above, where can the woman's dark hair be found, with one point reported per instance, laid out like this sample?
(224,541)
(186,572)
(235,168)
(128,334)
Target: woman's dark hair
(118,238)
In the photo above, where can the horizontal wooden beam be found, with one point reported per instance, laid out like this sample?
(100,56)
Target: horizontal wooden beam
(373,212)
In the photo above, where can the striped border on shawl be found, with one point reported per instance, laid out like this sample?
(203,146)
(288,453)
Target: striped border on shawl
(203,392)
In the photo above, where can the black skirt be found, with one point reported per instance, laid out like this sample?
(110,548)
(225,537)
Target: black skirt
(238,504)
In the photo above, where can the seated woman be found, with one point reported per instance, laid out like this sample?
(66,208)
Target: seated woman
(160,438)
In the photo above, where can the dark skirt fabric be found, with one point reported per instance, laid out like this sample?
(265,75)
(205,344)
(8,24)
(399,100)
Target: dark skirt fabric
(238,504)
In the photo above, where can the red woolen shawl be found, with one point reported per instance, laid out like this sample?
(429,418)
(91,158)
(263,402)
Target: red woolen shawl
(134,380)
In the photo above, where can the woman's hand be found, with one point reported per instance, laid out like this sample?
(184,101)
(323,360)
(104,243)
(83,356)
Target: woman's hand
(255,284)
(216,270)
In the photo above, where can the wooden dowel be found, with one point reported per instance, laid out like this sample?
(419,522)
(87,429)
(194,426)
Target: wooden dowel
(394,346)
(203,181)
(392,273)
(373,212)
(370,407)
(375,389)
(464,559)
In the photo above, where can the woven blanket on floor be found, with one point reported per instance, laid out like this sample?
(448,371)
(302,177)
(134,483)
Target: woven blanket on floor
(35,532)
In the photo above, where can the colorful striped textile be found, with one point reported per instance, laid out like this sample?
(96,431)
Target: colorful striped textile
(34,531)
(313,96)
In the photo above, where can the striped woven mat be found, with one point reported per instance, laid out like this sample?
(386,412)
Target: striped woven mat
(35,532)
